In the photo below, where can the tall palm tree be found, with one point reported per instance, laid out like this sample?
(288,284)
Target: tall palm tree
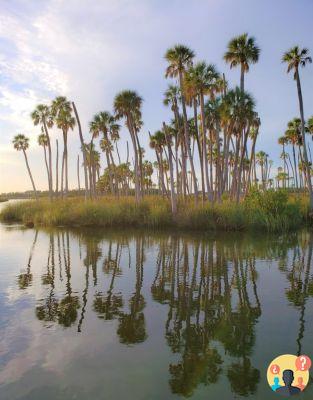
(42,141)
(83,148)
(202,79)
(283,140)
(242,51)
(179,59)
(127,104)
(42,116)
(61,111)
(104,122)
(295,58)
(21,143)
(172,98)
(293,136)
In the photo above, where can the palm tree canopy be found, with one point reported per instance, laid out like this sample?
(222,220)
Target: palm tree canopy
(242,50)
(179,58)
(293,132)
(60,104)
(20,142)
(128,103)
(64,120)
(201,78)
(310,125)
(42,140)
(42,115)
(172,95)
(101,123)
(296,57)
(238,106)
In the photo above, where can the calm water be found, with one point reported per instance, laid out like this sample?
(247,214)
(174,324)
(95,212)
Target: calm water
(122,315)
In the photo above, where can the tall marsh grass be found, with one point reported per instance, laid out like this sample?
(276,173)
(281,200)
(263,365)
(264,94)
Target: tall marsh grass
(271,211)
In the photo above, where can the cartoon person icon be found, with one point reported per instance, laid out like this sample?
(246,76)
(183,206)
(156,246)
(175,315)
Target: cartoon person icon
(288,389)
(300,384)
(276,384)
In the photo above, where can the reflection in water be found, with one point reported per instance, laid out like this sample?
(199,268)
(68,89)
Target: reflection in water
(208,287)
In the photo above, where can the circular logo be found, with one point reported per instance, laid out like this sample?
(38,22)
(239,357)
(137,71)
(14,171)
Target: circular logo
(288,375)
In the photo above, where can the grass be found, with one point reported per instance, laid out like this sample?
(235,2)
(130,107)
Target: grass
(270,211)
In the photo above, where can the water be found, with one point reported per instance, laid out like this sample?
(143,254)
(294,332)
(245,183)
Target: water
(89,314)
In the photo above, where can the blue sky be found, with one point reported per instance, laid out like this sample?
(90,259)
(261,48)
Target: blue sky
(90,50)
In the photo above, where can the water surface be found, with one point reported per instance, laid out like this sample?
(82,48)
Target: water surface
(90,314)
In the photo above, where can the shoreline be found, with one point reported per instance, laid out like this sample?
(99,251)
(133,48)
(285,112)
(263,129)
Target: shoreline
(154,213)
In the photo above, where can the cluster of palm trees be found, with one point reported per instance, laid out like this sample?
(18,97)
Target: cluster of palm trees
(293,171)
(214,127)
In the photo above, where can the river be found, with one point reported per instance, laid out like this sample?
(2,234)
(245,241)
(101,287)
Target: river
(92,314)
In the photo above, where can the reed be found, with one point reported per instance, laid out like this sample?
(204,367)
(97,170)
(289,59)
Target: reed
(269,211)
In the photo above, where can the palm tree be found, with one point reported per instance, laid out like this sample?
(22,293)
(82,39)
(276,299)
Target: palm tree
(158,143)
(242,51)
(61,111)
(293,136)
(42,115)
(127,104)
(83,148)
(296,57)
(283,140)
(42,141)
(21,143)
(104,122)
(179,59)
(170,157)
(200,80)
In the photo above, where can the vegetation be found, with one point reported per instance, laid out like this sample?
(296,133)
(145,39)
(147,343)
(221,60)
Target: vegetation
(271,210)
(207,151)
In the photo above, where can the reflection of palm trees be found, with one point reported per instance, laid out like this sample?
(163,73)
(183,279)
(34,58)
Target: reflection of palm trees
(301,282)
(202,309)
(48,309)
(93,253)
(108,306)
(131,327)
(51,309)
(25,279)
(67,311)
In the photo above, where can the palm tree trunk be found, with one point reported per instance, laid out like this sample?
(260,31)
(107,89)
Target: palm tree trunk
(57,169)
(187,138)
(170,157)
(305,156)
(83,148)
(62,176)
(133,138)
(242,78)
(65,163)
(204,161)
(46,162)
(30,175)
(78,177)
(295,165)
(50,161)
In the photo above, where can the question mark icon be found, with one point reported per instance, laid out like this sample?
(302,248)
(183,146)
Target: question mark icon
(303,363)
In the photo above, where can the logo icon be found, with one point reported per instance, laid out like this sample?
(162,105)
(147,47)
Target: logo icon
(288,375)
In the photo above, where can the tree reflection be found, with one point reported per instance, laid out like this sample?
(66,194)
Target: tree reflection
(108,306)
(208,288)
(25,279)
(93,253)
(207,305)
(51,309)
(132,325)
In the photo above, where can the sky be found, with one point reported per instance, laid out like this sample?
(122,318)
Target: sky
(90,50)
